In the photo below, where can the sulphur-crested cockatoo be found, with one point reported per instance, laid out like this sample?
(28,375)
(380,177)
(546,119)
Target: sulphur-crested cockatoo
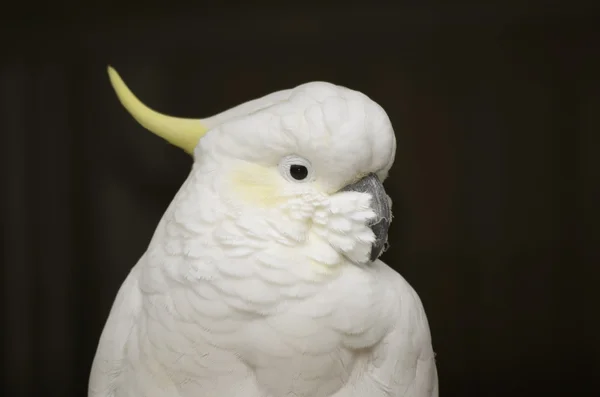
(262,278)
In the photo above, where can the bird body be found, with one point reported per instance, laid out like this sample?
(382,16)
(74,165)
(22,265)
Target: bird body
(262,278)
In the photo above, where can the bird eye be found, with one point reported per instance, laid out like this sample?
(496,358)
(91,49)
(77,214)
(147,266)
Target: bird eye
(295,169)
(298,172)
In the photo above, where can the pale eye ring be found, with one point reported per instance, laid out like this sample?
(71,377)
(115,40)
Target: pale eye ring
(296,169)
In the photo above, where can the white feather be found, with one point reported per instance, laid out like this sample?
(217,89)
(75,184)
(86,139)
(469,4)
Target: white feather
(235,300)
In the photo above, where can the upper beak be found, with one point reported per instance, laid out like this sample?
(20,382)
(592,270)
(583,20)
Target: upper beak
(381,206)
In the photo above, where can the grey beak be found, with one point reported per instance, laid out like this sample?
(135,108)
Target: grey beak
(380,205)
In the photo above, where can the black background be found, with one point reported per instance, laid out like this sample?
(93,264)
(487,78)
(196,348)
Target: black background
(496,106)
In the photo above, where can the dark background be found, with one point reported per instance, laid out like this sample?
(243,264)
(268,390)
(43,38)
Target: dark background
(496,106)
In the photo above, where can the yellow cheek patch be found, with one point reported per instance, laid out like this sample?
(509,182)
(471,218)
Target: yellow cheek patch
(257,185)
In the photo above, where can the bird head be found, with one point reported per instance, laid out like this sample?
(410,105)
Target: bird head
(300,171)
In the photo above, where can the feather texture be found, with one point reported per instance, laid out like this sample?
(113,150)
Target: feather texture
(238,299)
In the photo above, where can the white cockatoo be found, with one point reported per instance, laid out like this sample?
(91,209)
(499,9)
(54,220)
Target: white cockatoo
(262,278)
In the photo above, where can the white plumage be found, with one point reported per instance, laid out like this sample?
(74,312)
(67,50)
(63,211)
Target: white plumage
(258,285)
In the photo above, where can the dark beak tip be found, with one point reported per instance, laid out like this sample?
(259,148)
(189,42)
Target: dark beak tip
(380,229)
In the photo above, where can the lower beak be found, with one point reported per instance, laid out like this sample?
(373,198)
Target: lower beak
(381,206)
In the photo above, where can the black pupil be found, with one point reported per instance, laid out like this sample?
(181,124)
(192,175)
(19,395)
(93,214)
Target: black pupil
(298,172)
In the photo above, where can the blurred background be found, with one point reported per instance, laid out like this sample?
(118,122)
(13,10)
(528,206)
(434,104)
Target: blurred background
(496,183)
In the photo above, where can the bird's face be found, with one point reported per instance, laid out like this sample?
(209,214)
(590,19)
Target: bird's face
(307,171)
(299,169)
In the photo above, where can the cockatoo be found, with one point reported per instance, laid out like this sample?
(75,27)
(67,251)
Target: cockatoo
(262,278)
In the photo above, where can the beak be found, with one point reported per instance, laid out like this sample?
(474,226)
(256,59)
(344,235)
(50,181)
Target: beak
(381,206)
